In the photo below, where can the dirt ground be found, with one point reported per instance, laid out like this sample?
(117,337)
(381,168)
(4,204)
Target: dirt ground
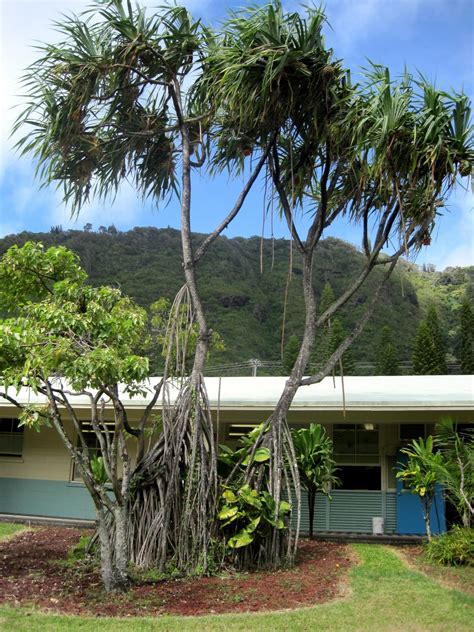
(33,572)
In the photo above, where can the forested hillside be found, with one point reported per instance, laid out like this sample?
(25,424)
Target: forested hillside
(246,305)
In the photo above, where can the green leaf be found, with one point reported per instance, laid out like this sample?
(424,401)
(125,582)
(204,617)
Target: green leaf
(227,512)
(285,507)
(253,524)
(229,496)
(262,455)
(243,538)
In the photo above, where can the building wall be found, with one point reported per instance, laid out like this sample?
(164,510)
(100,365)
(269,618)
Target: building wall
(350,511)
(39,483)
(42,497)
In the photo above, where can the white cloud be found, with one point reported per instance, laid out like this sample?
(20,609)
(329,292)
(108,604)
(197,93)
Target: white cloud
(23,25)
(462,256)
(123,212)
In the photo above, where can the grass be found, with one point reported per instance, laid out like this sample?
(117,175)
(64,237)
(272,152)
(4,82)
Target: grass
(385,596)
(8,529)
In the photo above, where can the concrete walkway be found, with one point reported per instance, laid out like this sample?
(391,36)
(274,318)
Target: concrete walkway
(47,521)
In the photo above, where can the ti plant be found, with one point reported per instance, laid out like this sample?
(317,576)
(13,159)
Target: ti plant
(456,471)
(316,466)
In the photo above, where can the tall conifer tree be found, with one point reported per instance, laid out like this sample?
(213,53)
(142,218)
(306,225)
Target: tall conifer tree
(467,338)
(322,347)
(290,353)
(425,357)
(338,334)
(387,354)
(432,321)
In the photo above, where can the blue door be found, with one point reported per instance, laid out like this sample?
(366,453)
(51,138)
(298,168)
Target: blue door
(410,513)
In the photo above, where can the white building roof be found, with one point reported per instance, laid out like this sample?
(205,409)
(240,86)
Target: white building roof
(438,392)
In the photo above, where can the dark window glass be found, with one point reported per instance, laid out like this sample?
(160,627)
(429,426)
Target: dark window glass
(412,431)
(356,443)
(359,477)
(11,437)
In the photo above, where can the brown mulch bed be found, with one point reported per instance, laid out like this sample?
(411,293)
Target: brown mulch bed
(31,573)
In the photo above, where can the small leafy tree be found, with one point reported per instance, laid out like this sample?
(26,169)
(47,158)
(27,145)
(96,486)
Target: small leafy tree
(421,473)
(316,466)
(62,338)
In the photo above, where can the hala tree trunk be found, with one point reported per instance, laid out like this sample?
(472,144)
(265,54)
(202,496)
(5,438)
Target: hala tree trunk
(283,479)
(176,484)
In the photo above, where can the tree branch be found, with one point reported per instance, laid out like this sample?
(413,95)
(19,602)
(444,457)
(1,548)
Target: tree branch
(237,206)
(275,172)
(346,343)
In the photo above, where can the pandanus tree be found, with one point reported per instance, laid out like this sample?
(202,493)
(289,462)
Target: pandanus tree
(382,155)
(112,103)
(153,99)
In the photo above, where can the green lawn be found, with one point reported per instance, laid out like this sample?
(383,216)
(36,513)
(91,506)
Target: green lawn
(8,528)
(384,595)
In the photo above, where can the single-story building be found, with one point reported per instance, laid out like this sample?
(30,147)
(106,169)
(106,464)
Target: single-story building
(37,477)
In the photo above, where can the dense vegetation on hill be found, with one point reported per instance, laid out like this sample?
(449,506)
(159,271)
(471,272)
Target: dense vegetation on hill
(246,305)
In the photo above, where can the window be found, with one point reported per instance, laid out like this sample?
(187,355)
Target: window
(356,443)
(11,437)
(238,430)
(411,431)
(392,469)
(359,477)
(356,451)
(93,445)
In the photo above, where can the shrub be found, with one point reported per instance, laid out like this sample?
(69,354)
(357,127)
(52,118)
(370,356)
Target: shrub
(454,548)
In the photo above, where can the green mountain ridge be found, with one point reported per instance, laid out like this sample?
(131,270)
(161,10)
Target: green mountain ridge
(246,304)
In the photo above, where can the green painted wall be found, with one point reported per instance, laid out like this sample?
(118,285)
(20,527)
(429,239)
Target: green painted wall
(351,511)
(45,498)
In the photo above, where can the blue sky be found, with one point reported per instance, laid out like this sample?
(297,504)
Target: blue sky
(433,36)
